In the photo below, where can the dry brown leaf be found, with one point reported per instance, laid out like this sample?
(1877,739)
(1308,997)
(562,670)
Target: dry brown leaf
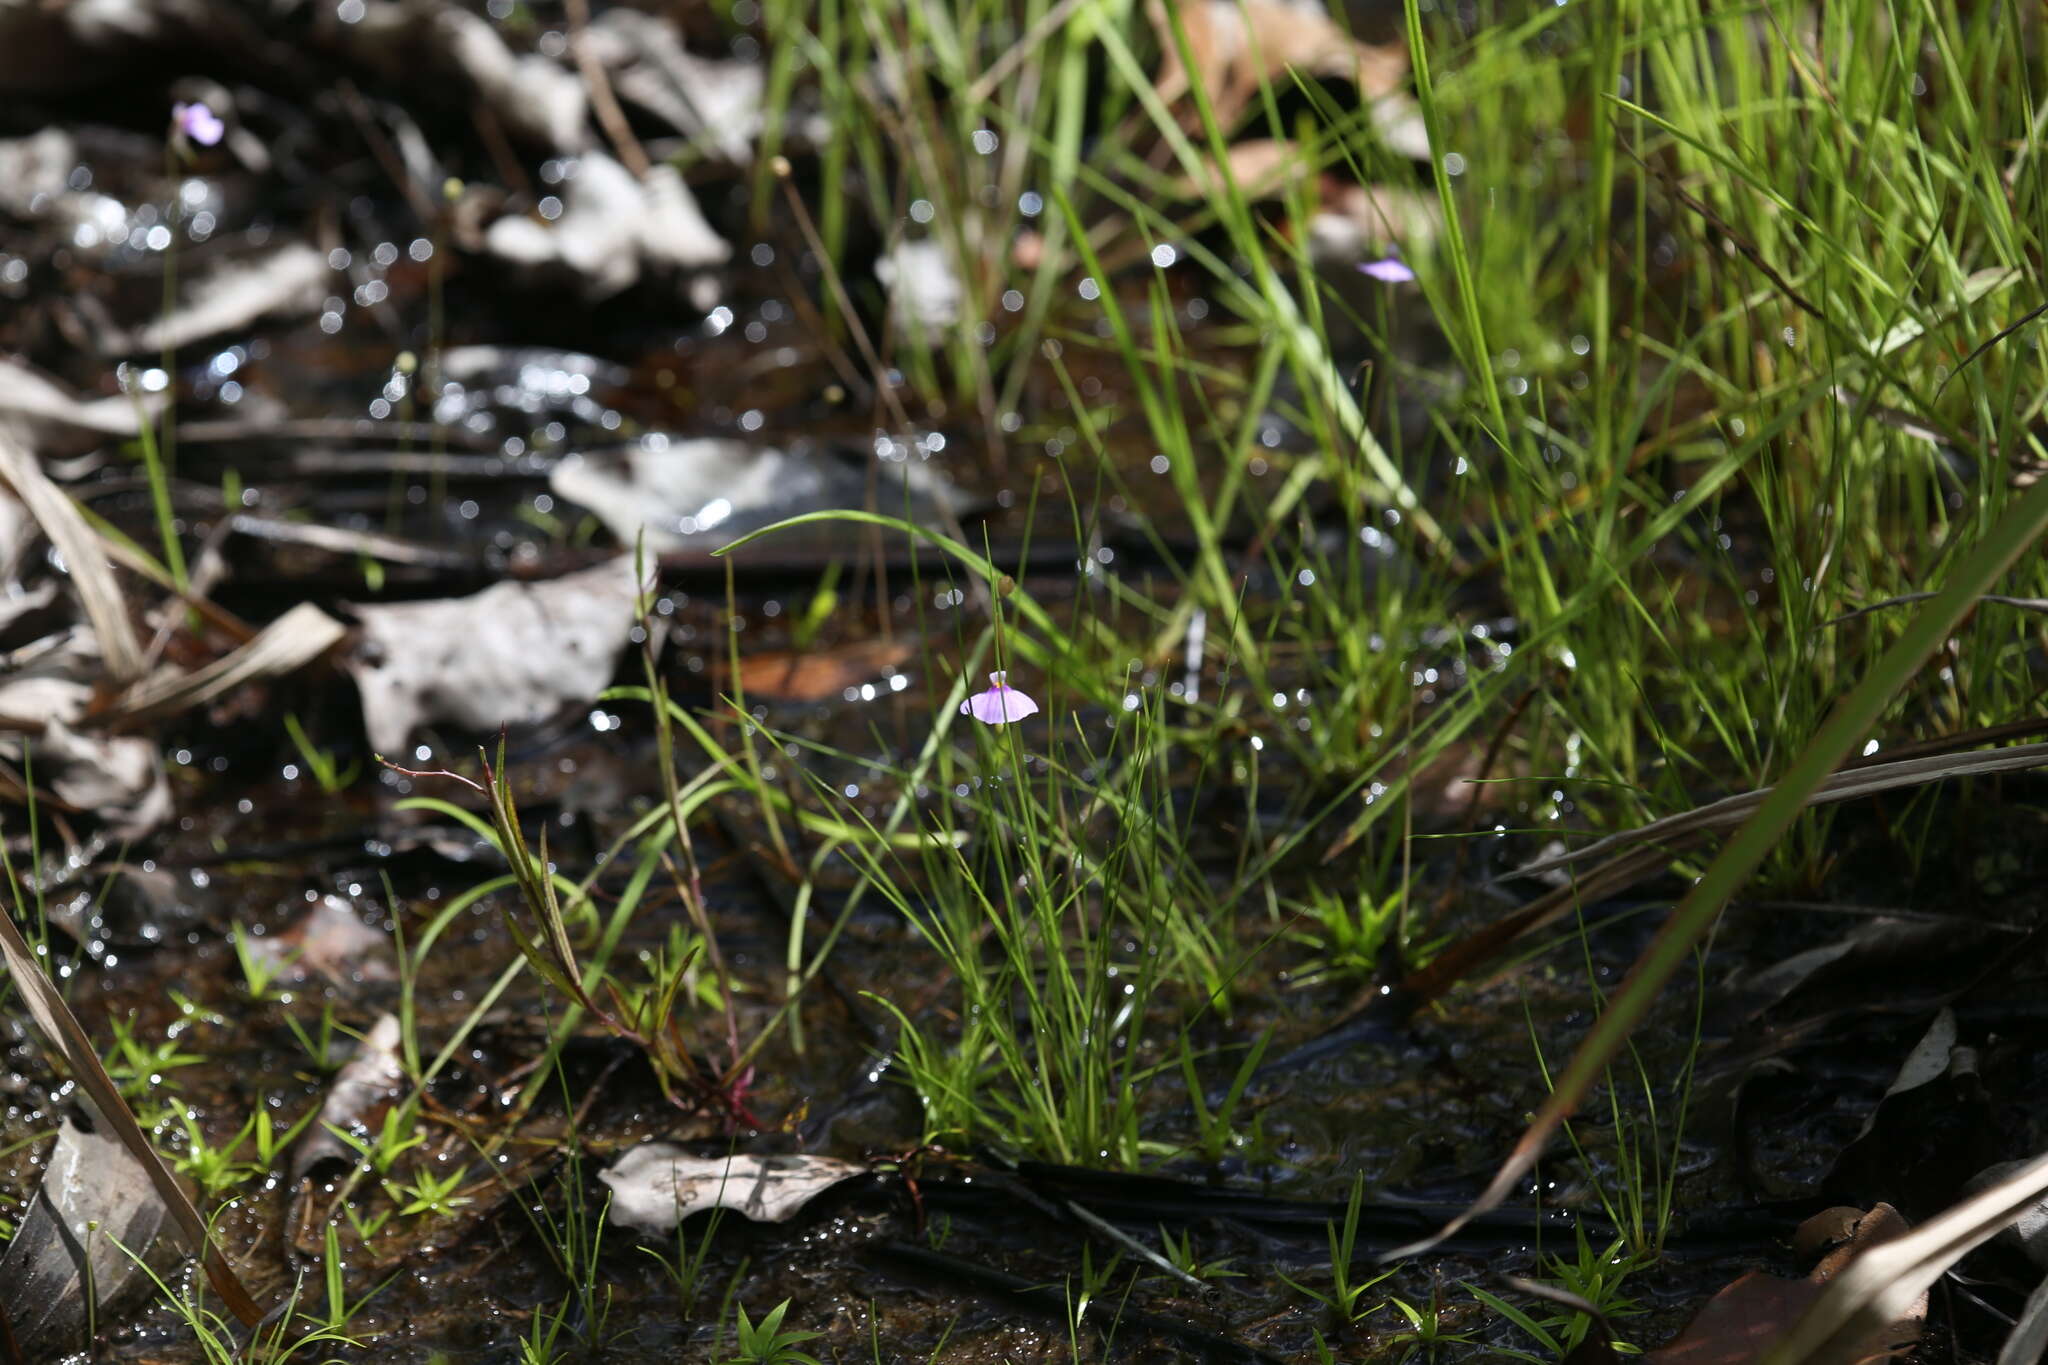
(1260,167)
(1738,1324)
(1886,1285)
(1235,43)
(819,674)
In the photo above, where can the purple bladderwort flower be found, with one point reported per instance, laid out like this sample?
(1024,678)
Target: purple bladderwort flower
(1392,269)
(197,123)
(1000,705)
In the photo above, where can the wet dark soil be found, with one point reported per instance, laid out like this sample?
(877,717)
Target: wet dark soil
(964,1255)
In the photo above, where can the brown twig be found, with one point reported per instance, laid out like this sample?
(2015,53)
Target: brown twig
(602,100)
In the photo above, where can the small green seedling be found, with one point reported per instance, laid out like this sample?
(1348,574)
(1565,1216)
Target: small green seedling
(1180,1253)
(320,764)
(429,1193)
(767,1343)
(1344,1294)
(395,1136)
(219,1169)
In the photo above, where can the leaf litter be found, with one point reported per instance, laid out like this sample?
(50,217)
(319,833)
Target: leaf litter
(623,235)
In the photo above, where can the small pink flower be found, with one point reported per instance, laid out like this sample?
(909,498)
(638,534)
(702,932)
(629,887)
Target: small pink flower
(1393,270)
(1000,705)
(198,123)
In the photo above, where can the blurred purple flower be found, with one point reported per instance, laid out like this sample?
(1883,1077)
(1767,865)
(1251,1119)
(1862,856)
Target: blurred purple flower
(198,123)
(1393,270)
(1000,705)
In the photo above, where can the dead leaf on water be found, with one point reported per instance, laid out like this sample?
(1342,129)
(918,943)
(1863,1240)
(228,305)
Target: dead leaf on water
(511,654)
(657,1185)
(459,52)
(1738,1324)
(91,1182)
(56,422)
(700,493)
(717,104)
(610,226)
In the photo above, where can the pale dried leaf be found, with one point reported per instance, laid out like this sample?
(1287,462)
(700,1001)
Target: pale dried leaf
(2029,1232)
(534,97)
(286,644)
(716,104)
(2030,1334)
(657,1185)
(68,1039)
(35,170)
(673,230)
(1929,1058)
(924,290)
(706,491)
(292,279)
(51,680)
(1366,220)
(370,1081)
(532,94)
(56,422)
(94,1201)
(610,226)
(511,654)
(118,778)
(79,546)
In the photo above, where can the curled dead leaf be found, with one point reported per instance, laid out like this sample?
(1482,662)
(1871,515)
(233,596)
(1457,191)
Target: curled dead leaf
(657,1185)
(369,1081)
(1738,1325)
(48,1269)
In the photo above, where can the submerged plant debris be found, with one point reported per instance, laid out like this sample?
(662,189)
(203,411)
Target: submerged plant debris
(728,681)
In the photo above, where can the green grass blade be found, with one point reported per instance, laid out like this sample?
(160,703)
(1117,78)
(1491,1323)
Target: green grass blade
(60,1027)
(2023,524)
